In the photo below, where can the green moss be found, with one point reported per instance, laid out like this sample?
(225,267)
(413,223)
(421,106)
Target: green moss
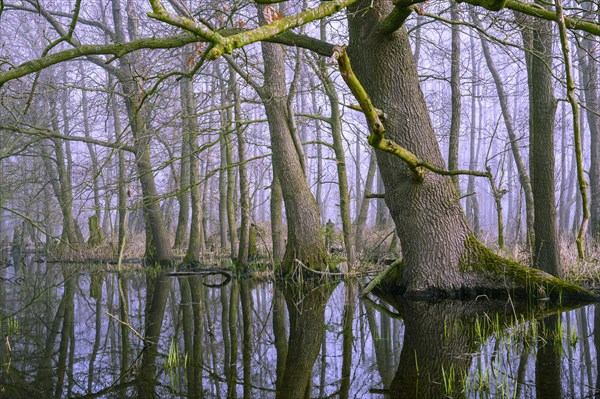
(386,281)
(538,284)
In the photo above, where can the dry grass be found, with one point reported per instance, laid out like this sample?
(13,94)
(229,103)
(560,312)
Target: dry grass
(586,271)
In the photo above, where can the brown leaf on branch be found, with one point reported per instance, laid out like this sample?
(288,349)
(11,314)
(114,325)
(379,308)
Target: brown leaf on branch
(271,14)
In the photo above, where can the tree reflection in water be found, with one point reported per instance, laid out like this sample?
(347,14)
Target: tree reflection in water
(72,332)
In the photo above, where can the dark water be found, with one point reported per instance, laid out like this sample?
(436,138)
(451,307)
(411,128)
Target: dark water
(75,332)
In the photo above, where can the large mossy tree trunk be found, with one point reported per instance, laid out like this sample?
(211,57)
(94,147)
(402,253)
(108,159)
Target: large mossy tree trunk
(430,222)
(304,236)
(440,255)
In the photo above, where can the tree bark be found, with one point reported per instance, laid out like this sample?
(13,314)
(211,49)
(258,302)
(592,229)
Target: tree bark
(588,64)
(304,223)
(361,218)
(472,199)
(158,248)
(245,206)
(335,121)
(190,135)
(514,140)
(455,97)
(542,112)
(95,170)
(441,256)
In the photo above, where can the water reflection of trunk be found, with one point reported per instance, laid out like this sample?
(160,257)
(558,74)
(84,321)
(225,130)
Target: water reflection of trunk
(66,336)
(348,338)
(124,329)
(225,330)
(231,372)
(156,300)
(548,359)
(279,333)
(247,309)
(435,345)
(306,308)
(187,317)
(192,310)
(45,373)
(96,293)
(597,347)
(382,356)
(197,290)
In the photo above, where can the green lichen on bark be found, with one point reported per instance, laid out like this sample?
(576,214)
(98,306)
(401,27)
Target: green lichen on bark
(503,272)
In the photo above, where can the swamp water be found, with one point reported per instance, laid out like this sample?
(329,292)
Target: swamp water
(79,332)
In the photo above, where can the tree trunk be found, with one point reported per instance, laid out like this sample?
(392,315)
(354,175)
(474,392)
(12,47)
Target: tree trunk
(183,198)
(361,219)
(223,195)
(95,169)
(304,225)
(542,111)
(231,213)
(432,236)
(514,140)
(158,248)
(441,256)
(122,174)
(588,64)
(563,210)
(228,174)
(190,127)
(335,121)
(61,185)
(456,97)
(277,238)
(472,199)
(243,250)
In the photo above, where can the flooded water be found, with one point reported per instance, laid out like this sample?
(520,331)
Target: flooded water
(79,332)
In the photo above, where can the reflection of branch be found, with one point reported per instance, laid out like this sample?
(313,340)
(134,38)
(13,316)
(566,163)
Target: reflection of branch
(382,309)
(137,334)
(133,364)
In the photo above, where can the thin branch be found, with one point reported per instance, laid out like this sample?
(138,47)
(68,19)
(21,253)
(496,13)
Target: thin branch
(50,134)
(572,97)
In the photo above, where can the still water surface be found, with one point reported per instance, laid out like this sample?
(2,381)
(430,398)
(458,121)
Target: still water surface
(79,332)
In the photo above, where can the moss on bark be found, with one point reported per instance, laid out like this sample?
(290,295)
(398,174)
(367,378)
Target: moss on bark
(485,273)
(506,273)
